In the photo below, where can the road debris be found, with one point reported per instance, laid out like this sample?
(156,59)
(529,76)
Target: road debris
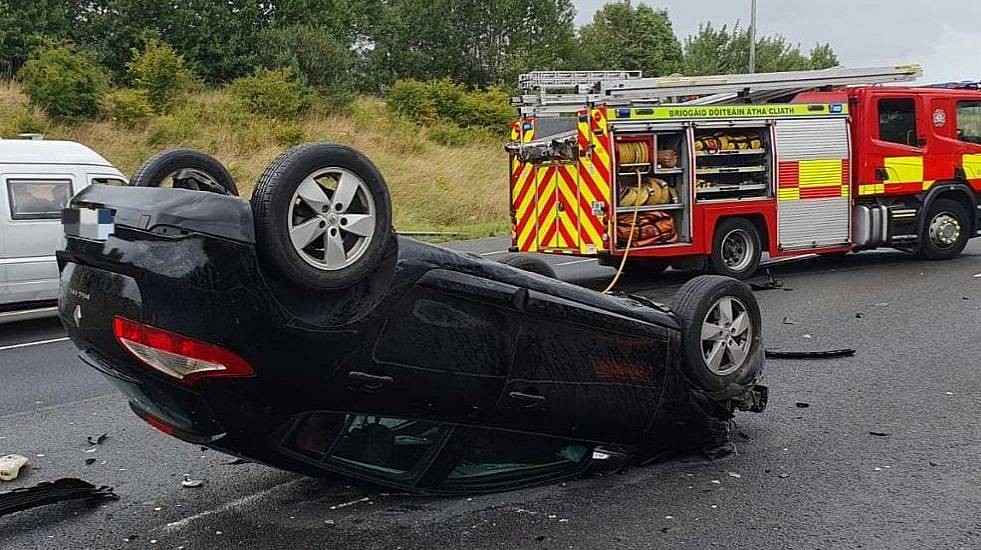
(97,440)
(859,315)
(10,466)
(771,283)
(787,321)
(879,434)
(830,354)
(89,461)
(783,476)
(189,483)
(734,474)
(802,405)
(51,492)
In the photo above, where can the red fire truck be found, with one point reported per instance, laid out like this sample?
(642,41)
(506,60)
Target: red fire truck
(710,172)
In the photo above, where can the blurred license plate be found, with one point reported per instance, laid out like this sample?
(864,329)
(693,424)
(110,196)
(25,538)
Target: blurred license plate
(89,223)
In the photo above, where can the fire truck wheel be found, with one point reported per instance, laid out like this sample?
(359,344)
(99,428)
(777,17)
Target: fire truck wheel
(530,264)
(736,249)
(322,216)
(720,334)
(945,230)
(184,169)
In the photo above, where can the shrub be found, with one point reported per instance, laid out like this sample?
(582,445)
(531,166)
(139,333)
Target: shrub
(129,108)
(27,122)
(288,134)
(272,92)
(489,109)
(440,101)
(161,72)
(411,99)
(65,82)
(176,128)
(450,135)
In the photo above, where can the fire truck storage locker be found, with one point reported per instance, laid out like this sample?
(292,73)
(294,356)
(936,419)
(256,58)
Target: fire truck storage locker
(733,160)
(653,168)
(813,182)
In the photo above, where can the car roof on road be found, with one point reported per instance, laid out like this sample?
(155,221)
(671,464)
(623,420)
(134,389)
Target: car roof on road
(23,151)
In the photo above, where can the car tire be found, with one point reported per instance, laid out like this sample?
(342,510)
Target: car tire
(530,264)
(721,336)
(736,249)
(185,169)
(307,205)
(945,230)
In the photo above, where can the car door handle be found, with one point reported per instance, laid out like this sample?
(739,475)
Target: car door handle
(526,399)
(369,381)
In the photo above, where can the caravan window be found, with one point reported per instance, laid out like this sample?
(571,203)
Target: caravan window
(38,199)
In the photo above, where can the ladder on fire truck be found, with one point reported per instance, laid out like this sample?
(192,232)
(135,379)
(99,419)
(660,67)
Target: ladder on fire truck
(556,92)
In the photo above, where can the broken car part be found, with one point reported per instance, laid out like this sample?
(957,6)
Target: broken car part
(10,466)
(52,492)
(831,354)
(299,330)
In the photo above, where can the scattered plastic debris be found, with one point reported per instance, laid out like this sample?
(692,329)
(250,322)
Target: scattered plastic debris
(879,434)
(783,476)
(51,492)
(830,354)
(859,315)
(89,461)
(10,466)
(189,483)
(787,321)
(716,481)
(97,440)
(802,405)
(883,304)
(353,502)
(734,474)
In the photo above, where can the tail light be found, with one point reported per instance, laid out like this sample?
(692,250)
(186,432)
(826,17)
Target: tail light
(183,358)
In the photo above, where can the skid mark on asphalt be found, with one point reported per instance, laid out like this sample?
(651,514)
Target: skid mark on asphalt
(60,405)
(29,344)
(247,500)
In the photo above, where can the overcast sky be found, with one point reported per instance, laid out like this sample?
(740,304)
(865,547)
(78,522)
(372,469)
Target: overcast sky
(942,35)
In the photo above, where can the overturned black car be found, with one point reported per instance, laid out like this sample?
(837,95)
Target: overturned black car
(300,331)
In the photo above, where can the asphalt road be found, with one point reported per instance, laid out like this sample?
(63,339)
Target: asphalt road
(809,478)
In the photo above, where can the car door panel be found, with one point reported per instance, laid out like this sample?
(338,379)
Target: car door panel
(583,372)
(444,350)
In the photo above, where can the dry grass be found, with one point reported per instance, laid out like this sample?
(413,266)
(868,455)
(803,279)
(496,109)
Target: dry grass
(434,187)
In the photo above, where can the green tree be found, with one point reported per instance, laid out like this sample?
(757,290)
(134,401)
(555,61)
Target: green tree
(325,62)
(725,50)
(65,82)
(475,42)
(627,37)
(26,26)
(160,71)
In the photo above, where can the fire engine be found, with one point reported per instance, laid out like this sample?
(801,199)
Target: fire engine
(710,172)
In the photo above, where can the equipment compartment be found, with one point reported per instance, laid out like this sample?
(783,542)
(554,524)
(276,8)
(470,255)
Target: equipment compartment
(733,162)
(653,175)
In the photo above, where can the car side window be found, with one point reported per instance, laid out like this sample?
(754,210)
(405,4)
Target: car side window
(969,121)
(897,121)
(105,180)
(38,199)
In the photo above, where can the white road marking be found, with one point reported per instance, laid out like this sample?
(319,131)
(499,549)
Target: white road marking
(29,344)
(493,253)
(244,501)
(577,262)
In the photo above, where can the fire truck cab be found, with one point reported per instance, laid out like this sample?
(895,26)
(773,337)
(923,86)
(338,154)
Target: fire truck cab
(785,163)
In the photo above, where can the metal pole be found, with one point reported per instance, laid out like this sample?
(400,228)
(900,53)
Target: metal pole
(752,39)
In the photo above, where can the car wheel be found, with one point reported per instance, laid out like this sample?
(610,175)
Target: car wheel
(322,215)
(185,169)
(530,264)
(721,334)
(945,230)
(736,249)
